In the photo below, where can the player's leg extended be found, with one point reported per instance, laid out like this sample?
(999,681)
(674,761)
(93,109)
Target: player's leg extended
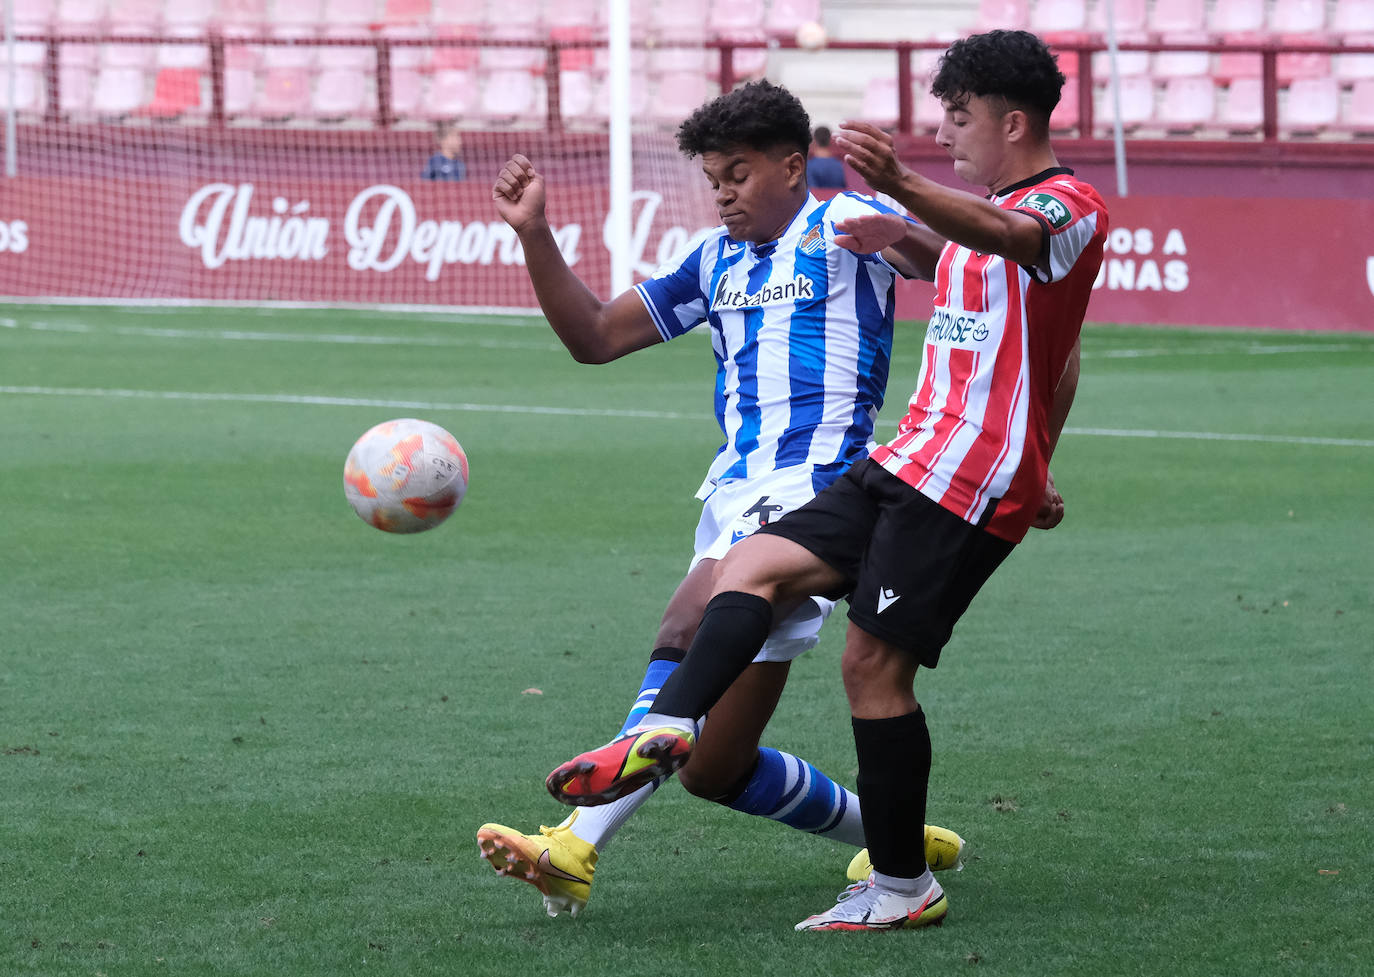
(733,628)
(560,861)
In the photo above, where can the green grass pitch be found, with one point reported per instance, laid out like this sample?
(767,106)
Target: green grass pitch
(242,733)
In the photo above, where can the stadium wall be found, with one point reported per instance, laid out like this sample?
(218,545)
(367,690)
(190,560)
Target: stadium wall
(330,217)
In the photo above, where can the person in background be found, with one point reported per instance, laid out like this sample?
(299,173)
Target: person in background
(824,169)
(446,164)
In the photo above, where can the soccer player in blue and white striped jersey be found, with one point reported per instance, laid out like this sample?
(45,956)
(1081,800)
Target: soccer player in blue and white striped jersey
(799,305)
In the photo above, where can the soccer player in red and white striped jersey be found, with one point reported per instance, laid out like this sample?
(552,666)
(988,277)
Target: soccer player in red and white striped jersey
(910,535)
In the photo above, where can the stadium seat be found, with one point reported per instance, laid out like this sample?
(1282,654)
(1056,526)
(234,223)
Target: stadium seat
(1352,18)
(1358,113)
(748,63)
(456,57)
(879,104)
(575,13)
(193,15)
(407,91)
(1237,21)
(415,57)
(1130,15)
(75,85)
(355,57)
(1003,14)
(1065,116)
(1305,18)
(357,14)
(80,17)
(1242,108)
(507,94)
(241,17)
(1230,66)
(571,58)
(1310,106)
(677,95)
(667,59)
(28,91)
(1187,104)
(118,91)
(1181,64)
(191,55)
(459,13)
(514,57)
(1292,65)
(1186,18)
(285,92)
(1137,104)
(341,93)
(35,16)
(639,99)
(176,91)
(679,19)
(1129,64)
(728,18)
(405,13)
(785,16)
(576,94)
(1354,67)
(1060,21)
(26,54)
(240,90)
(299,53)
(453,94)
(307,14)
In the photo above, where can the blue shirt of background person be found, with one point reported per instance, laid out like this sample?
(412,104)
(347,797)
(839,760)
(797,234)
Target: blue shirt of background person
(446,163)
(823,168)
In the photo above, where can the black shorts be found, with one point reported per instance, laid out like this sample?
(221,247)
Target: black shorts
(911,567)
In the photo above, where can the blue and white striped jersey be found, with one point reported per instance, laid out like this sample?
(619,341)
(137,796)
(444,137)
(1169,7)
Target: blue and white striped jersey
(802,332)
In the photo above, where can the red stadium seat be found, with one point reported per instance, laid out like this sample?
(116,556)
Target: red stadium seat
(191,55)
(572,58)
(508,94)
(35,16)
(928,110)
(1065,116)
(1129,64)
(575,13)
(75,83)
(1305,18)
(1182,64)
(407,92)
(176,91)
(576,94)
(358,14)
(454,13)
(405,13)
(1130,16)
(677,96)
(1137,104)
(190,15)
(240,90)
(356,57)
(80,17)
(456,57)
(679,19)
(242,17)
(1234,18)
(513,57)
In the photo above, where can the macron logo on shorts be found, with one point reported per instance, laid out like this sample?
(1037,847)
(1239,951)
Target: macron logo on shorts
(886,598)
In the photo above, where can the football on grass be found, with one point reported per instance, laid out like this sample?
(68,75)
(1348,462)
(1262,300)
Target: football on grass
(405,476)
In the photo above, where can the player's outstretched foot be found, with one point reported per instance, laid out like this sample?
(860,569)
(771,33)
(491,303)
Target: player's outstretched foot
(866,906)
(944,849)
(556,862)
(622,766)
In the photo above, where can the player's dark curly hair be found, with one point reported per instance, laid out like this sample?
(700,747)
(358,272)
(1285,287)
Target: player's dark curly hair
(1015,65)
(759,115)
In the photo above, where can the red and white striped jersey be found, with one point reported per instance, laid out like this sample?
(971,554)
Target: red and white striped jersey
(975,438)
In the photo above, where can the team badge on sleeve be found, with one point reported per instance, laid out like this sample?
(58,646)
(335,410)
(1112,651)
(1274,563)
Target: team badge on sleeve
(1054,210)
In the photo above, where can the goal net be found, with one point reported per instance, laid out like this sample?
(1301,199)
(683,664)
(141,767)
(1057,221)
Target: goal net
(295,151)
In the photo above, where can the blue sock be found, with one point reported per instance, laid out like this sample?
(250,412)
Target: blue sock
(661,665)
(788,789)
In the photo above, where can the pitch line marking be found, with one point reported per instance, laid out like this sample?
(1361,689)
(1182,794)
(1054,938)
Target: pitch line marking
(661,415)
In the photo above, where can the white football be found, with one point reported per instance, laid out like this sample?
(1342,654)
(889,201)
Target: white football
(811,36)
(405,476)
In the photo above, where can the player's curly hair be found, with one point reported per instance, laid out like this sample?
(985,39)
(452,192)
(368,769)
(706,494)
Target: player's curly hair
(1015,65)
(758,115)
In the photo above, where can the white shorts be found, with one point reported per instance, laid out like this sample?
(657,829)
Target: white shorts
(735,509)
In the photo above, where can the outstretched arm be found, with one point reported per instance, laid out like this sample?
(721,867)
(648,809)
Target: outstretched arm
(592,330)
(910,248)
(961,217)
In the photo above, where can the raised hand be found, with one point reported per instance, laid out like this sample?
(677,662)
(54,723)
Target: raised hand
(870,151)
(870,233)
(519,193)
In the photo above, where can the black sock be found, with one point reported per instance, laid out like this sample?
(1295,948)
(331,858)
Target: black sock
(733,629)
(894,771)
